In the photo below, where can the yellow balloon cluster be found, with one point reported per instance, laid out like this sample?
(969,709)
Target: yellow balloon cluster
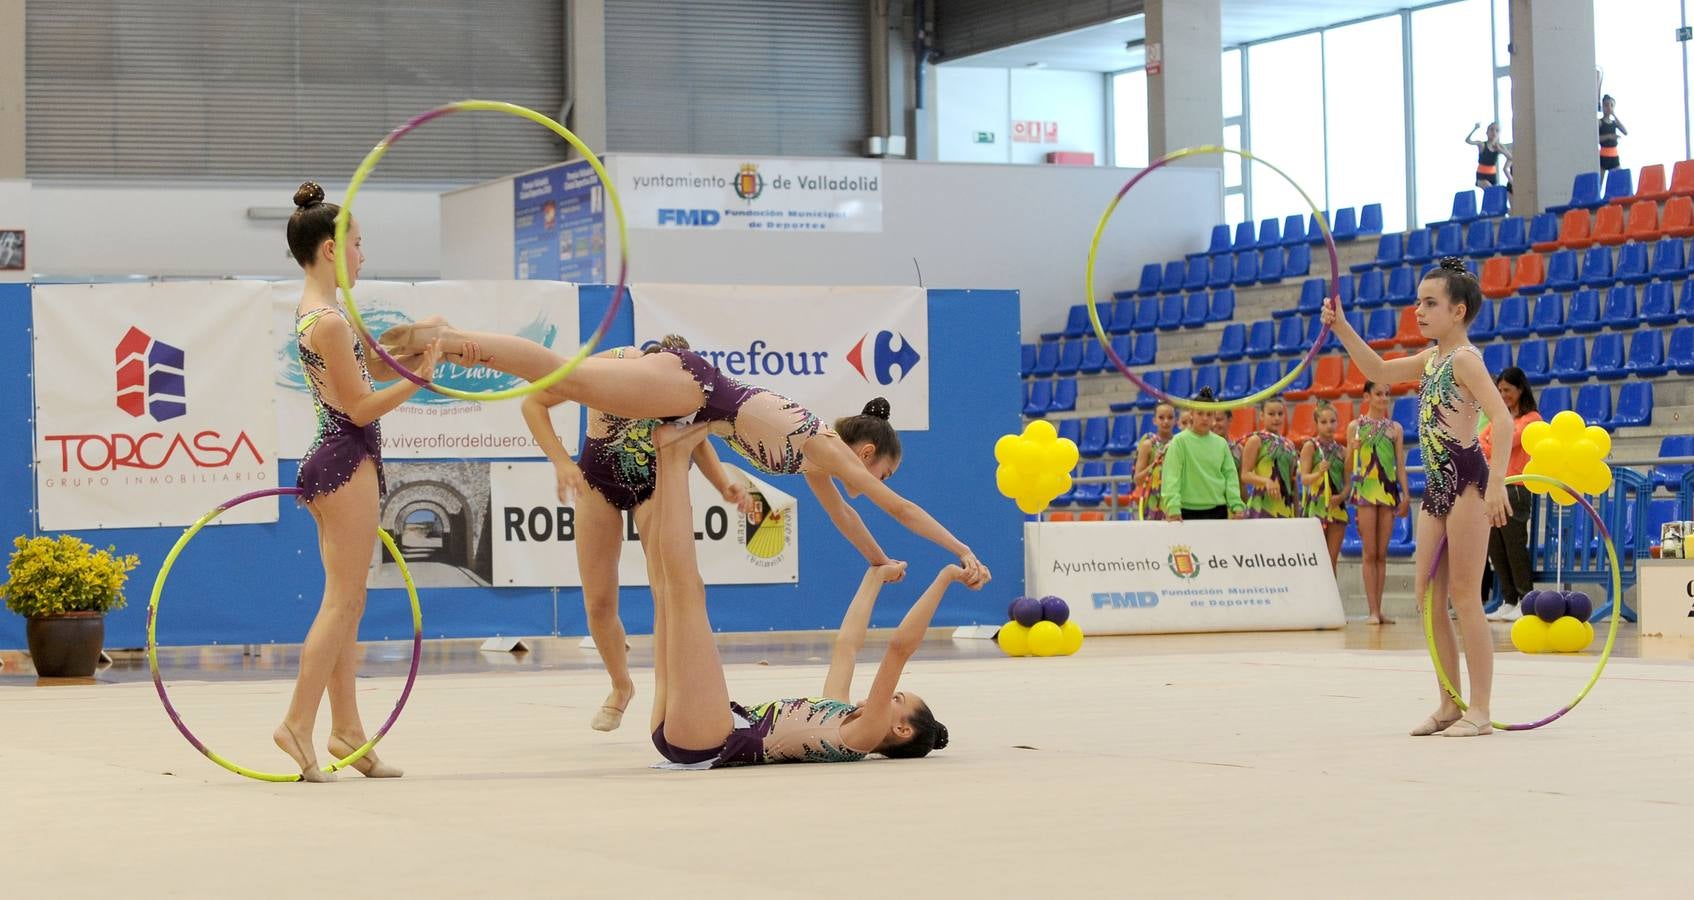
(1034,466)
(1571,451)
(1532,634)
(1042,639)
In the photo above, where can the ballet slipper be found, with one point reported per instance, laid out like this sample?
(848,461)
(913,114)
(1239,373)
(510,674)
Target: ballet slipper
(309,770)
(368,765)
(1467,728)
(1432,725)
(607,718)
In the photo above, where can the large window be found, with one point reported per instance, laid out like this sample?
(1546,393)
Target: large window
(1641,62)
(1129,119)
(1364,87)
(1285,123)
(1453,90)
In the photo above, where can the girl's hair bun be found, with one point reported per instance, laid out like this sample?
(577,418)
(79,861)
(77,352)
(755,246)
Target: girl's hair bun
(309,195)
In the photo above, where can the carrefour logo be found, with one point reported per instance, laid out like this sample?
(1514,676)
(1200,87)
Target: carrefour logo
(884,357)
(150,377)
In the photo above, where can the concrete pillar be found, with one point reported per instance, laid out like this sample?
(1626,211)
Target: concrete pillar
(1553,114)
(1184,78)
(11,88)
(585,71)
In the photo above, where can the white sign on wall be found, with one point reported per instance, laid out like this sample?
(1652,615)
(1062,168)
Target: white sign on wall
(429,425)
(535,535)
(1163,577)
(737,194)
(831,349)
(152,404)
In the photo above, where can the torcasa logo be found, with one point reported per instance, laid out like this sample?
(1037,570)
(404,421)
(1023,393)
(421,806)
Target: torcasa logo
(884,357)
(150,377)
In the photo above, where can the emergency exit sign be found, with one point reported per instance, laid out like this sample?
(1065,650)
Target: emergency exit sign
(985,137)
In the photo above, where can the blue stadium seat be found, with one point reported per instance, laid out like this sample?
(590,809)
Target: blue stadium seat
(1345,225)
(1123,316)
(1680,353)
(1494,202)
(1027,366)
(1265,374)
(1561,271)
(1351,543)
(1596,267)
(1151,279)
(1294,230)
(1046,359)
(1301,382)
(1223,305)
(1194,310)
(1632,264)
(1220,271)
(1346,290)
(1482,328)
(1406,413)
(1605,357)
(1146,349)
(1208,377)
(1064,396)
(1419,247)
(1532,359)
(1415,481)
(1669,475)
(1237,381)
(1146,314)
(1297,261)
(1464,206)
(1122,441)
(1290,338)
(1077,324)
(1094,435)
(1594,403)
(1170,312)
(1449,239)
(1479,239)
(1387,254)
(1402,287)
(1620,184)
(1220,240)
(1070,358)
(1038,398)
(1647,354)
(1370,219)
(1244,238)
(1658,303)
(1093,356)
(1270,234)
(1513,237)
(1552,401)
(1570,360)
(1669,262)
(1155,378)
(1620,308)
(1261,339)
(1175,274)
(1091,493)
(1583,316)
(1123,346)
(1311,298)
(1369,289)
(1383,324)
(1543,229)
(1197,274)
(1070,430)
(1233,343)
(1246,268)
(1584,193)
(1496,358)
(1180,382)
(1511,317)
(1685,301)
(1548,318)
(1400,542)
(1270,266)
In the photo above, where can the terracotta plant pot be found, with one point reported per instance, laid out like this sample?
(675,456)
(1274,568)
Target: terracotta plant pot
(66,646)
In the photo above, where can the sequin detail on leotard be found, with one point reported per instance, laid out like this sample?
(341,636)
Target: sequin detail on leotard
(1376,468)
(1330,458)
(1278,462)
(1452,458)
(785,731)
(1151,508)
(617,458)
(763,426)
(339,446)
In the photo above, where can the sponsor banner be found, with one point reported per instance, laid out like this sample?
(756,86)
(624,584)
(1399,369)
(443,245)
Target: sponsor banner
(829,348)
(1161,577)
(730,194)
(430,426)
(437,513)
(149,409)
(535,535)
(559,229)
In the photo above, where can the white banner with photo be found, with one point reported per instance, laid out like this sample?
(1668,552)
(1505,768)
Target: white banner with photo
(535,534)
(829,348)
(152,403)
(429,425)
(739,194)
(1164,577)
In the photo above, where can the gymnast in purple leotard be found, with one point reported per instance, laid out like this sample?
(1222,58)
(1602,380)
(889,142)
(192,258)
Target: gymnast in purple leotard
(776,434)
(1466,493)
(340,481)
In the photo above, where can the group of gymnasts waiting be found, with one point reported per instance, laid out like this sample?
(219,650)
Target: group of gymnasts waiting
(649,411)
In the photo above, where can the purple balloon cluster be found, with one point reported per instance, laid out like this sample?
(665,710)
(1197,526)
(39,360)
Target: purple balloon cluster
(1027,611)
(1553,605)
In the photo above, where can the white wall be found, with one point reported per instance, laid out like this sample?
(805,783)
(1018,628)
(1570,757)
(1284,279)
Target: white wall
(968,226)
(95,229)
(14,215)
(973,99)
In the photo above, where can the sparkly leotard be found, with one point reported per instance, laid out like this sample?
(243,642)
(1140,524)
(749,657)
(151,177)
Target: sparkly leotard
(781,731)
(617,458)
(1278,462)
(1447,418)
(340,446)
(1152,509)
(761,425)
(1330,458)
(1376,468)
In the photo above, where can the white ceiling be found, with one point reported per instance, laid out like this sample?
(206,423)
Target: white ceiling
(1100,48)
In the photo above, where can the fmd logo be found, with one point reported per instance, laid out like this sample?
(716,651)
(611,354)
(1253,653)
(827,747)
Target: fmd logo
(884,358)
(150,377)
(690,218)
(1125,599)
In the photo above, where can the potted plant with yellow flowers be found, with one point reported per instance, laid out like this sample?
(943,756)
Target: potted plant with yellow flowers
(65,587)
